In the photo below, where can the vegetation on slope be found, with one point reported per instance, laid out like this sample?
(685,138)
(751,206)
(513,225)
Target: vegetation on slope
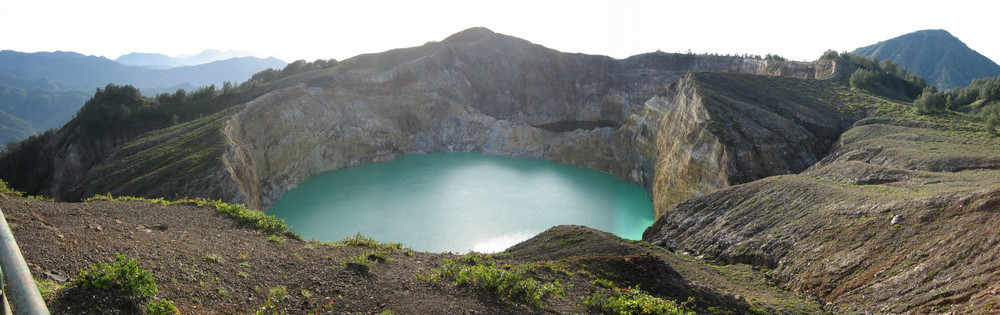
(883,78)
(239,212)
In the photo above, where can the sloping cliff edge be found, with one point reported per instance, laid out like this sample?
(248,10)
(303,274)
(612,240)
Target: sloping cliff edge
(486,92)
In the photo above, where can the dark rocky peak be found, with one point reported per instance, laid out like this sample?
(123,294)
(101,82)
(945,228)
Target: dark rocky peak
(937,56)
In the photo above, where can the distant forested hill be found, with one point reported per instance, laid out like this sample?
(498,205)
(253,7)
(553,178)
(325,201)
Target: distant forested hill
(937,56)
(43,90)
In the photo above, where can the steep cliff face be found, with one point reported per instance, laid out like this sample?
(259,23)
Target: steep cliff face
(726,129)
(900,217)
(691,161)
(475,91)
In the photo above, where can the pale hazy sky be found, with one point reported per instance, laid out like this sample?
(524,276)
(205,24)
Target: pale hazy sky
(297,29)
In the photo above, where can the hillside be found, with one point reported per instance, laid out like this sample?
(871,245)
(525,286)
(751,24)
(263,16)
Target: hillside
(937,56)
(206,263)
(899,217)
(40,91)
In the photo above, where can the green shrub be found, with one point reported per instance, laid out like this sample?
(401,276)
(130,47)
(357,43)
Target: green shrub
(634,301)
(163,307)
(364,262)
(279,292)
(121,278)
(505,281)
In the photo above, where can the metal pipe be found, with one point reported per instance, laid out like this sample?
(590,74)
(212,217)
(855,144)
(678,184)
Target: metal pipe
(20,286)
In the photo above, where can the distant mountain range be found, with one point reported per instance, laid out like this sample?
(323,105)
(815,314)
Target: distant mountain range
(937,56)
(161,61)
(43,90)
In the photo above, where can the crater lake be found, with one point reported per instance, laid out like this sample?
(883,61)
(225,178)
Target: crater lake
(461,201)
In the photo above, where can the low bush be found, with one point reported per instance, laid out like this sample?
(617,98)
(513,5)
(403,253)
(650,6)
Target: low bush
(163,307)
(634,301)
(121,278)
(124,284)
(505,281)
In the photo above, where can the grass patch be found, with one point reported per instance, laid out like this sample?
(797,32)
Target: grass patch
(604,283)
(382,248)
(359,240)
(47,287)
(213,258)
(366,261)
(507,282)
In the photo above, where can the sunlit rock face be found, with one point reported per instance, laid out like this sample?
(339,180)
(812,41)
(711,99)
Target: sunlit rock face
(486,92)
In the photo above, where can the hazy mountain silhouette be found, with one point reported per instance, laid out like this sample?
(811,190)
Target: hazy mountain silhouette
(161,61)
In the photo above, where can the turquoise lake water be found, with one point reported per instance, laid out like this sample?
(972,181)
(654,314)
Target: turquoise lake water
(459,202)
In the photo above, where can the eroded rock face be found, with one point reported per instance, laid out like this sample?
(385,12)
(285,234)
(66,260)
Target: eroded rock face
(691,161)
(484,92)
